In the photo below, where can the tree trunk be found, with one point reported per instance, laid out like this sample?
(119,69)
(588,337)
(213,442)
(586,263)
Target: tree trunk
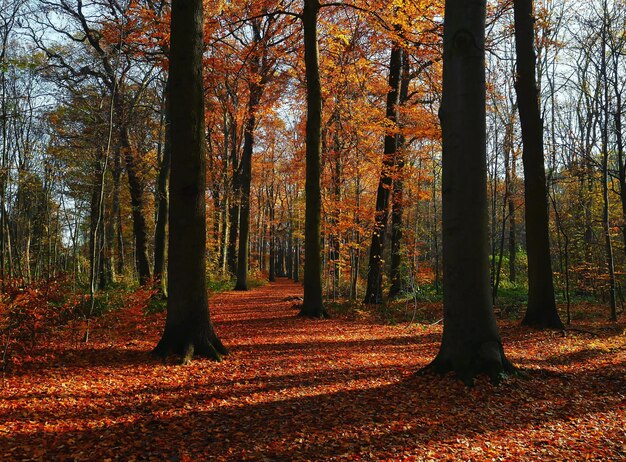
(471,342)
(512,222)
(397,206)
(312,305)
(224,232)
(233,219)
(160,232)
(140,229)
(335,216)
(296,262)
(230,123)
(606,225)
(256,92)
(271,205)
(188,327)
(617,118)
(374,290)
(289,251)
(541,311)
(116,215)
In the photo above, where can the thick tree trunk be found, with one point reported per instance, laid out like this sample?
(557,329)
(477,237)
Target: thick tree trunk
(140,228)
(541,311)
(397,205)
(471,342)
(188,327)
(312,305)
(160,232)
(256,91)
(374,290)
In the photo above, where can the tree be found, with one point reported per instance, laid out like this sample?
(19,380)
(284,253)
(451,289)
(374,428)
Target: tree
(397,196)
(188,327)
(374,291)
(261,70)
(98,33)
(541,311)
(312,304)
(163,200)
(471,342)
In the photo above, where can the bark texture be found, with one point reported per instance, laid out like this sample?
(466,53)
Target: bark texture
(188,327)
(312,305)
(256,92)
(374,290)
(163,204)
(541,311)
(397,205)
(471,341)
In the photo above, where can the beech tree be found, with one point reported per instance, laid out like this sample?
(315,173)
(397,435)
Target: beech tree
(312,304)
(188,327)
(262,67)
(471,341)
(541,311)
(374,291)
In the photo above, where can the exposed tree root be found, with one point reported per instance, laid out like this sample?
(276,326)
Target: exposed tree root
(313,312)
(485,358)
(186,349)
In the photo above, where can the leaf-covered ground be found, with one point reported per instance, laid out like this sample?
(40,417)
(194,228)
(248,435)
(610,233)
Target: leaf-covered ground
(297,389)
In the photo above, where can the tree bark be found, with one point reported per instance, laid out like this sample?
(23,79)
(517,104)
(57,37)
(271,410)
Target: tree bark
(188,327)
(230,123)
(541,311)
(374,290)
(256,92)
(140,229)
(296,262)
(312,305)
(397,206)
(271,206)
(160,232)
(471,342)
(116,216)
(512,220)
(604,129)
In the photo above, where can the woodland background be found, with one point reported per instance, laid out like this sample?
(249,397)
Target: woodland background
(84,169)
(83,133)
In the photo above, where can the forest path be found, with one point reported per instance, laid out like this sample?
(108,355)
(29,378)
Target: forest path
(302,389)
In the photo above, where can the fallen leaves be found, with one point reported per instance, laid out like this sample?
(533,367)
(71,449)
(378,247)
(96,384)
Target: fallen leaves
(295,389)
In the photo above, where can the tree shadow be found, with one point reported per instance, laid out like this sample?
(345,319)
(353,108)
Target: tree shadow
(411,414)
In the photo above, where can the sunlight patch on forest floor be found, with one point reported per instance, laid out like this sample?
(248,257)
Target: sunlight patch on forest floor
(297,389)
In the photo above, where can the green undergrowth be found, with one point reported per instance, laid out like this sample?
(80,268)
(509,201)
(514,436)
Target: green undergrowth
(425,306)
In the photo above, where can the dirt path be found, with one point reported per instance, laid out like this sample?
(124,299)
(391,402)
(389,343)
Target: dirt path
(299,389)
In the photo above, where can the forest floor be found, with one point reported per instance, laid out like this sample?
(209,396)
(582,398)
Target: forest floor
(299,389)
